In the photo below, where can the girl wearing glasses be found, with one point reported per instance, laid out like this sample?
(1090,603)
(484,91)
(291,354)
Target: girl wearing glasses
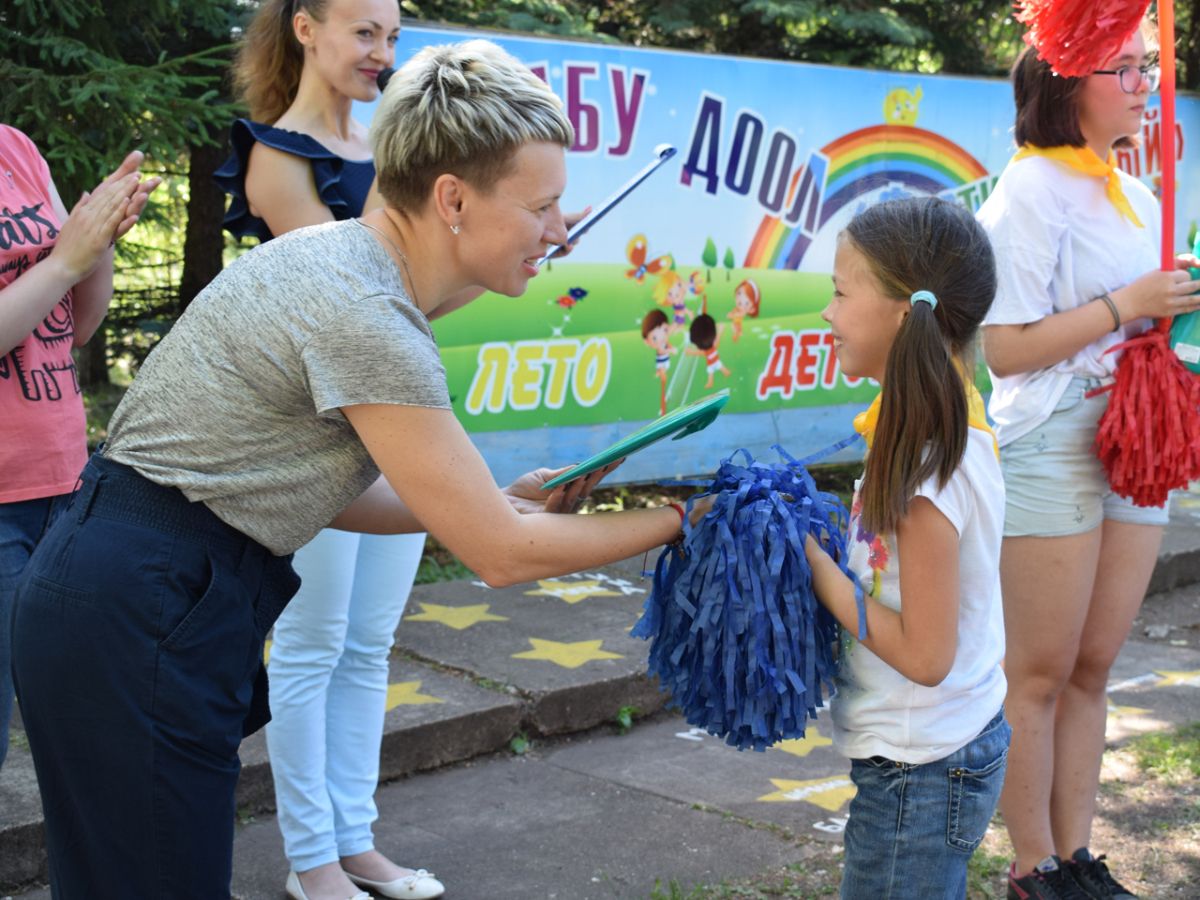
(1076,243)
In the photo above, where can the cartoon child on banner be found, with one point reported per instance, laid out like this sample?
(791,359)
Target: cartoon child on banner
(706,335)
(656,332)
(671,291)
(746,300)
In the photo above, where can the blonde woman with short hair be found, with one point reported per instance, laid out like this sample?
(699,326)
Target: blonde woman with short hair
(302,388)
(303,159)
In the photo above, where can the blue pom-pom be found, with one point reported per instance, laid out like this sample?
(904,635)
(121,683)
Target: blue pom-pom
(737,637)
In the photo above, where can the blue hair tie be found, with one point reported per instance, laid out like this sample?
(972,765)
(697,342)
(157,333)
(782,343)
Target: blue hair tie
(923,297)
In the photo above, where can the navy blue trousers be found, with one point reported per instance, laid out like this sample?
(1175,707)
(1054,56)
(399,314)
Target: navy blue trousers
(138,632)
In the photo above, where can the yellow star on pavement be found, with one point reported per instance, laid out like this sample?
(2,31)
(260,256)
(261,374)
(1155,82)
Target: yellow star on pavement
(408,693)
(1170,679)
(830,794)
(568,655)
(805,745)
(571,591)
(458,617)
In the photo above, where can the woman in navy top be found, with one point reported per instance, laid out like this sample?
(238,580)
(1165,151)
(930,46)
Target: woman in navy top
(341,185)
(302,160)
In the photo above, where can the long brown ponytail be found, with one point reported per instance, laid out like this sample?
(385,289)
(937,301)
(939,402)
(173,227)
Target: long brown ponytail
(913,245)
(266,72)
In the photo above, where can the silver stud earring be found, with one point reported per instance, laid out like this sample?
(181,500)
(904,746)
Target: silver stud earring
(454,229)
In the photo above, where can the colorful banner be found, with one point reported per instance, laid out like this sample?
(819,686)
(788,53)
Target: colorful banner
(714,272)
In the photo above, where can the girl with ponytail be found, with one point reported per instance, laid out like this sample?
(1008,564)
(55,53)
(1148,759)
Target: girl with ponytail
(919,705)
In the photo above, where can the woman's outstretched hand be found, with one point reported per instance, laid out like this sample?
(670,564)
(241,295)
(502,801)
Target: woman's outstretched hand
(527,495)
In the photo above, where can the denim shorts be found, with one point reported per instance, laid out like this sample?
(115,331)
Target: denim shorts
(913,828)
(1053,482)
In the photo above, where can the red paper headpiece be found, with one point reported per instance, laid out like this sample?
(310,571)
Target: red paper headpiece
(1076,36)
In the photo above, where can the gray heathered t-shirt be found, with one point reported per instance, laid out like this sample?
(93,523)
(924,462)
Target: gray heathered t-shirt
(238,406)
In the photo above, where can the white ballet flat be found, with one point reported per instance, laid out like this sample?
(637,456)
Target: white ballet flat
(295,889)
(420,885)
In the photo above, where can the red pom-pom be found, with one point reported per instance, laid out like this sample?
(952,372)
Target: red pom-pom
(1149,437)
(1076,37)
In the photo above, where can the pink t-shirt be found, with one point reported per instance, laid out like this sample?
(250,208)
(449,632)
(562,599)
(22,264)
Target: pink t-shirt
(43,443)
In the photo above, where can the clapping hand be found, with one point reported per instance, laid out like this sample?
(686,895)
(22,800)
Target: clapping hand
(141,191)
(101,217)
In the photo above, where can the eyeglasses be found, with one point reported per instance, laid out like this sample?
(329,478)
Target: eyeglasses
(1131,77)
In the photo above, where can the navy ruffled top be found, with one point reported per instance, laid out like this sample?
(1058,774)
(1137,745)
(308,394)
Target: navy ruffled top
(342,184)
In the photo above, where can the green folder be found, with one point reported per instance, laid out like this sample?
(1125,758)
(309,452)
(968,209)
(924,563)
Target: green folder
(678,422)
(1185,329)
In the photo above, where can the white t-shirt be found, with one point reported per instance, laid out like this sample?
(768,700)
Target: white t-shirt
(1060,243)
(876,711)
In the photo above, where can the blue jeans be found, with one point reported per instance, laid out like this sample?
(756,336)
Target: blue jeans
(22,525)
(913,828)
(137,644)
(329,685)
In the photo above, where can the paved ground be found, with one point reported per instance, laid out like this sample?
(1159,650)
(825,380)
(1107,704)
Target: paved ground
(588,812)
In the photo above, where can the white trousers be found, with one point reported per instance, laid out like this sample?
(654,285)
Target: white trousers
(329,675)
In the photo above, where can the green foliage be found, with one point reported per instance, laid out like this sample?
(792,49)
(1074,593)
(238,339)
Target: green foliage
(432,570)
(987,874)
(439,564)
(90,80)
(624,718)
(520,743)
(99,403)
(967,36)
(1172,756)
(548,17)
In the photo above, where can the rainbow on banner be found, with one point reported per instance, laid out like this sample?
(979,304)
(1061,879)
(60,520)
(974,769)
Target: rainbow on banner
(855,164)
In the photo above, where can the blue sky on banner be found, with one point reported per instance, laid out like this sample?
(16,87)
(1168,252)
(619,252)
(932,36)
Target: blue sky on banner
(746,131)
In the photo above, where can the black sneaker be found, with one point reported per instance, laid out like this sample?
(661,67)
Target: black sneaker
(1048,881)
(1093,876)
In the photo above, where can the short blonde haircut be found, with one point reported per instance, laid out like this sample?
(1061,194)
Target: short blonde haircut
(462,109)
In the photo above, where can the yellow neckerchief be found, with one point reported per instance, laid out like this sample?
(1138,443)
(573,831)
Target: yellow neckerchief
(865,422)
(1085,160)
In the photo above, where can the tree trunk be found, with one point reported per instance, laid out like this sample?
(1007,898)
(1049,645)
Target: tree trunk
(204,242)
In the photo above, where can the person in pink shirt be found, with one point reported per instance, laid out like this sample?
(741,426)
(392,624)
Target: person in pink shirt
(55,287)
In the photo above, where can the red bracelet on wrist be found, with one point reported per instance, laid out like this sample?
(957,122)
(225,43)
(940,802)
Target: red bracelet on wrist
(678,507)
